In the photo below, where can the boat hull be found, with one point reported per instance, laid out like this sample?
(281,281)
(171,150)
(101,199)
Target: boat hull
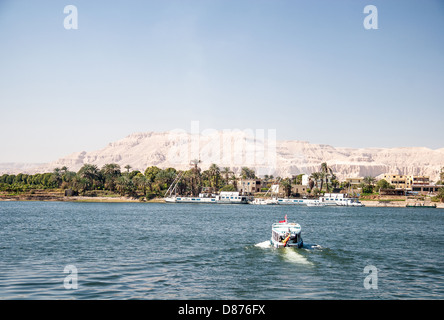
(204,200)
(420,206)
(289,244)
(286,234)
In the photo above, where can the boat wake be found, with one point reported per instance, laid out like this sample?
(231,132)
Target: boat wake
(309,246)
(289,254)
(292,256)
(264,244)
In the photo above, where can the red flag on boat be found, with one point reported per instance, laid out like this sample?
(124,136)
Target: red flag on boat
(284,220)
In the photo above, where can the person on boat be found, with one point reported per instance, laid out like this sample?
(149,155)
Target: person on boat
(287,238)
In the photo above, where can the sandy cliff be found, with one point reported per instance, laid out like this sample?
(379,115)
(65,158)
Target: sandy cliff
(235,149)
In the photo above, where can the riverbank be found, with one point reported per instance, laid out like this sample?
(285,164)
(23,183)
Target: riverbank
(394,204)
(384,204)
(57,195)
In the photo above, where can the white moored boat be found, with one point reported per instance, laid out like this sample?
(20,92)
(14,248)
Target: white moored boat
(286,234)
(222,198)
(339,199)
(316,203)
(268,201)
(264,201)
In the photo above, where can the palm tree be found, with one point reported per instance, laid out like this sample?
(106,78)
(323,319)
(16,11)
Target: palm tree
(89,172)
(440,194)
(151,173)
(315,176)
(322,176)
(286,184)
(214,175)
(68,176)
(125,186)
(369,180)
(165,177)
(141,182)
(80,184)
(226,171)
(127,167)
(368,184)
(328,173)
(234,180)
(121,184)
(57,176)
(195,178)
(311,183)
(247,173)
(298,179)
(111,171)
(346,185)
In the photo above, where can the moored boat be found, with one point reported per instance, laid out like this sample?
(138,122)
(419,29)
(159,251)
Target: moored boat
(286,234)
(222,198)
(421,205)
(339,199)
(260,201)
(316,203)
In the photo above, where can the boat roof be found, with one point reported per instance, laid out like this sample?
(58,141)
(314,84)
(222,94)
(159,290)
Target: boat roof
(284,226)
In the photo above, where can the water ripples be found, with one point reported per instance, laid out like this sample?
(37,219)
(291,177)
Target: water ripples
(156,251)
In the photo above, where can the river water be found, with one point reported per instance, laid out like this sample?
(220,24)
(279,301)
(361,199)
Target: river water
(62,250)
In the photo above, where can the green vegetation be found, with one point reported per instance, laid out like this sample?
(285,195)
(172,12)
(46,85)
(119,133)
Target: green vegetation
(383,184)
(150,184)
(111,181)
(319,180)
(440,195)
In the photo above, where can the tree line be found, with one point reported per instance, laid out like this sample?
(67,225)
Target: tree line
(153,182)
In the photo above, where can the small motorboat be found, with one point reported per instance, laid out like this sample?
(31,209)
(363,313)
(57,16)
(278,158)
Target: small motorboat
(286,234)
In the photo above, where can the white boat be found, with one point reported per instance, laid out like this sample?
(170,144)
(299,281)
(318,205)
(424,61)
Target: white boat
(222,198)
(287,201)
(339,199)
(316,203)
(268,201)
(286,234)
(260,201)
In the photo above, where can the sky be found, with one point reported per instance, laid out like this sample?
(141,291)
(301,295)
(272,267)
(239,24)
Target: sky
(308,69)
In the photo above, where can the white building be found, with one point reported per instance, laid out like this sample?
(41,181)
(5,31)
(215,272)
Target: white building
(305,179)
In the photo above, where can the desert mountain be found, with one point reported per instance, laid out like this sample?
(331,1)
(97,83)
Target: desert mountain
(266,155)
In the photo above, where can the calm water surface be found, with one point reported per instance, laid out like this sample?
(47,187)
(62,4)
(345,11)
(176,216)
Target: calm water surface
(188,251)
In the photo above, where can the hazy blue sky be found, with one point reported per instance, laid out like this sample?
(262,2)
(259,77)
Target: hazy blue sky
(306,68)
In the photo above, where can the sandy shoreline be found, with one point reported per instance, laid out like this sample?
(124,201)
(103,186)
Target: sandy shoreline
(393,204)
(80,199)
(380,204)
